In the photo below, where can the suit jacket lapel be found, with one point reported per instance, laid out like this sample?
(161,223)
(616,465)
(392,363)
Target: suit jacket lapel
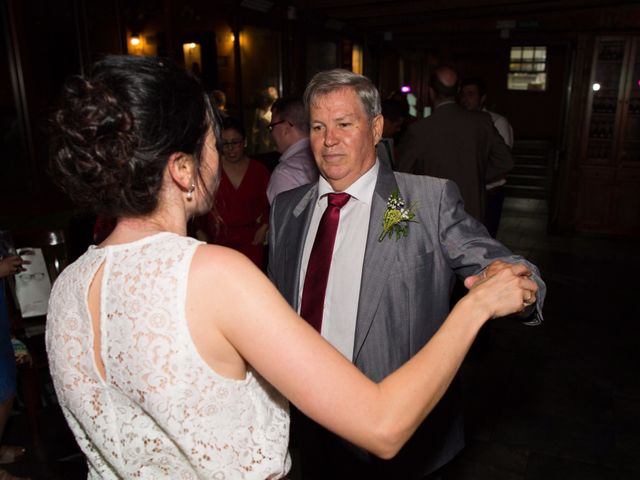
(377,258)
(294,243)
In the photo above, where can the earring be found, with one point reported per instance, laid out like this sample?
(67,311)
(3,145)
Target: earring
(190,192)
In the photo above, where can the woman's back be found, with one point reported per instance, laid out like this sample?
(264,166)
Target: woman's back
(160,412)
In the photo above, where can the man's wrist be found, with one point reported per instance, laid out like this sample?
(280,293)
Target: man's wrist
(529,316)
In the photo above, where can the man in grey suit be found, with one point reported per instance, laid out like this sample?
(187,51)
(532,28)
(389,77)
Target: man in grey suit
(456,144)
(386,295)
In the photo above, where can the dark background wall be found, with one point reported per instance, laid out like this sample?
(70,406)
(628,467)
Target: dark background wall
(44,41)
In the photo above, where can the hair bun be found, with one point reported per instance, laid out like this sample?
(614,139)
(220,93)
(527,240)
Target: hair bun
(97,137)
(104,123)
(117,127)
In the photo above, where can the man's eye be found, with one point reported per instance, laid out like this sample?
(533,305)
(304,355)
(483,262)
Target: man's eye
(316,128)
(344,125)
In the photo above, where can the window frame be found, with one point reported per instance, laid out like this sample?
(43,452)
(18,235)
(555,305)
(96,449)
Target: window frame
(535,67)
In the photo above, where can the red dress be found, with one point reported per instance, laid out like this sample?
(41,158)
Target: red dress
(241,212)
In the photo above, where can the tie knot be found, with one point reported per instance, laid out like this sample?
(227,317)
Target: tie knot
(338,199)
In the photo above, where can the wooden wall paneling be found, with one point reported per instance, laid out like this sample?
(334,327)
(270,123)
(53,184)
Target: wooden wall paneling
(594,199)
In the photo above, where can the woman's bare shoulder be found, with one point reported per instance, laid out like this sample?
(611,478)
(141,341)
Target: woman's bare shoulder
(218,260)
(225,269)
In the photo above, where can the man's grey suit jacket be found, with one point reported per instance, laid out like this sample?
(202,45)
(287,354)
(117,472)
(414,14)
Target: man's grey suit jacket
(406,286)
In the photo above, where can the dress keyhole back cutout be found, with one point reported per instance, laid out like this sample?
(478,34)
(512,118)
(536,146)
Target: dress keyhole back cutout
(93,300)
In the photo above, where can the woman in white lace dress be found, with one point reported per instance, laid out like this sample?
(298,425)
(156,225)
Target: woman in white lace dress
(171,358)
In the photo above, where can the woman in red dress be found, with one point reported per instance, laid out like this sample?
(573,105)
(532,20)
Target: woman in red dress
(240,216)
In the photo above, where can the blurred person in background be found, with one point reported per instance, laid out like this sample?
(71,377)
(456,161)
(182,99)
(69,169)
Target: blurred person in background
(240,215)
(455,144)
(473,97)
(290,131)
(394,113)
(10,264)
(220,101)
(260,139)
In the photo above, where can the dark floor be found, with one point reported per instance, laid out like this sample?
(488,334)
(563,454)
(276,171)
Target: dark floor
(557,401)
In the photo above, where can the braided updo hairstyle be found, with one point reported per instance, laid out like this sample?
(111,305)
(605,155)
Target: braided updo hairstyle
(117,127)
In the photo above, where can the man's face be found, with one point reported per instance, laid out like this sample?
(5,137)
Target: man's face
(278,132)
(470,98)
(342,138)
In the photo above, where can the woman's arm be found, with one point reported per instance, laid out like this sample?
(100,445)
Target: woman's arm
(229,300)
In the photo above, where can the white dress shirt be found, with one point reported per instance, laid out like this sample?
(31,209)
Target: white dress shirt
(506,132)
(345,273)
(503,126)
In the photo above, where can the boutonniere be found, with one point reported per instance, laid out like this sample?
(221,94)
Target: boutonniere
(397,217)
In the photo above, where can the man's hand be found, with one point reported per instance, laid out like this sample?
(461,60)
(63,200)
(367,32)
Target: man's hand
(496,267)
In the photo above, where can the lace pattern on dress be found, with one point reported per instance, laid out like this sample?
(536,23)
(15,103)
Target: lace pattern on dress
(161,412)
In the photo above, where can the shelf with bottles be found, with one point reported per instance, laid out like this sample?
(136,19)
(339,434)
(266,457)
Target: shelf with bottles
(602,105)
(634,107)
(611,52)
(601,142)
(598,155)
(606,92)
(601,130)
(630,155)
(631,130)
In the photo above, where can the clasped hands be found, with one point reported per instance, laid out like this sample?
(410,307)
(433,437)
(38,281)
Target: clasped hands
(517,273)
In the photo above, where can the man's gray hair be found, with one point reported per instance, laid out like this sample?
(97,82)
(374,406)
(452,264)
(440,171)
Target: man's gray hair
(329,81)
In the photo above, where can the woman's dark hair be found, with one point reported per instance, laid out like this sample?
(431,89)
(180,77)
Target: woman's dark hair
(117,127)
(234,124)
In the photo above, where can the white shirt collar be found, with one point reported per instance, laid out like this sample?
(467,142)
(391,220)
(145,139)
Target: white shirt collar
(362,189)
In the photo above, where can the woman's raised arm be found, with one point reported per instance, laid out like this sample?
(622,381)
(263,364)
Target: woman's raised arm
(229,300)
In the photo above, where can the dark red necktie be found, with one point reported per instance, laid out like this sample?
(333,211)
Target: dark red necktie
(315,281)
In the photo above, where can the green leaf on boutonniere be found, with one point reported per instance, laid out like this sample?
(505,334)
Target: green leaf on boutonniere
(397,217)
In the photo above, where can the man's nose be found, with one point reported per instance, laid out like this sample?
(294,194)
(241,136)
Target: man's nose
(330,137)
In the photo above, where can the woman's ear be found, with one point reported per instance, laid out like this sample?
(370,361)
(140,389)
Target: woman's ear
(181,168)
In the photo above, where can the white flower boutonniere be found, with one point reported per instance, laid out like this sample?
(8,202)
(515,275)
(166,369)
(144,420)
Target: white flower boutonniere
(397,217)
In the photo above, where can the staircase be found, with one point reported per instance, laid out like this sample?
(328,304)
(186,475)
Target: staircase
(530,177)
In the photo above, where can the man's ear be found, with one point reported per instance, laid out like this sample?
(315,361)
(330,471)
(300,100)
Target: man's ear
(378,125)
(182,170)
(483,99)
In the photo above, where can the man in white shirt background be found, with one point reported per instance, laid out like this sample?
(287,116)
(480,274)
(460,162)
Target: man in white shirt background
(289,129)
(473,97)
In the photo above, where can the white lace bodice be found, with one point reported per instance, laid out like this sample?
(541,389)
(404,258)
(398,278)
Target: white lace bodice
(161,412)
